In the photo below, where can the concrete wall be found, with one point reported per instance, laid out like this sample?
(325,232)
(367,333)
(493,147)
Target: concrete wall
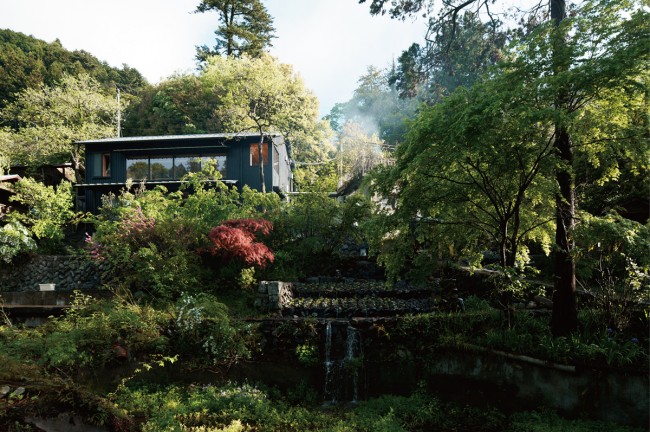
(606,395)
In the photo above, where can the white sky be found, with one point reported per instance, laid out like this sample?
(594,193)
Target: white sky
(329,42)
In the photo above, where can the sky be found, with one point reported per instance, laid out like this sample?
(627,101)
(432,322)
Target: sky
(330,43)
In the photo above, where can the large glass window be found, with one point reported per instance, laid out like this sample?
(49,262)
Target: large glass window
(185,165)
(171,168)
(219,161)
(137,168)
(162,168)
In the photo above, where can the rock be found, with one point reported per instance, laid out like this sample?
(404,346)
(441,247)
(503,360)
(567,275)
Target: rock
(18,392)
(4,390)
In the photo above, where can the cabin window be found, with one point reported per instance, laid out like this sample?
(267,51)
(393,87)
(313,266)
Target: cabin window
(185,165)
(101,164)
(161,168)
(276,161)
(106,165)
(137,168)
(255,154)
(218,160)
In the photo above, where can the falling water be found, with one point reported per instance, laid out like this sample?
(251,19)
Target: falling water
(330,395)
(341,364)
(353,346)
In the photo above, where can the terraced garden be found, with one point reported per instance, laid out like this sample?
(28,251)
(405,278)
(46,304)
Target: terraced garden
(349,299)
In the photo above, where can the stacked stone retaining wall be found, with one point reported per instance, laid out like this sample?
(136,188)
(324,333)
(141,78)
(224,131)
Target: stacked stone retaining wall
(67,272)
(274,295)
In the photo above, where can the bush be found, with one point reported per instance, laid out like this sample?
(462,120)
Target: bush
(50,210)
(204,332)
(15,240)
(89,335)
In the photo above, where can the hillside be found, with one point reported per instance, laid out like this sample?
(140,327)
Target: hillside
(26,61)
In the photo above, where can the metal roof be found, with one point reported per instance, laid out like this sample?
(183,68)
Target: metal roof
(153,183)
(177,137)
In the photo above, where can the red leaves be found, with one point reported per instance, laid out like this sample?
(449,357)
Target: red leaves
(235,240)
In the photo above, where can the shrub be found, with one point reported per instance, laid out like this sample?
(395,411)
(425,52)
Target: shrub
(50,210)
(235,242)
(88,334)
(205,333)
(14,241)
(146,247)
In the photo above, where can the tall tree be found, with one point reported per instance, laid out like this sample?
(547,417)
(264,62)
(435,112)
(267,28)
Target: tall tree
(474,172)
(262,95)
(50,120)
(179,105)
(618,55)
(455,54)
(245,27)
(565,313)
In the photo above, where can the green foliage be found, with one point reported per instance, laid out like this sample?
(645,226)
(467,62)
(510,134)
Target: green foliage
(203,326)
(245,27)
(28,62)
(236,95)
(87,334)
(482,326)
(232,407)
(551,422)
(477,170)
(146,249)
(613,265)
(179,105)
(15,239)
(49,120)
(308,354)
(309,232)
(152,239)
(50,210)
(456,54)
(263,95)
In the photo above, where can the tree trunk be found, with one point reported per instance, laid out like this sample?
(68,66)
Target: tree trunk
(565,315)
(261,161)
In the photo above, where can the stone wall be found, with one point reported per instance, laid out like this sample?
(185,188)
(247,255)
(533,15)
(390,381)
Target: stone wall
(67,272)
(272,296)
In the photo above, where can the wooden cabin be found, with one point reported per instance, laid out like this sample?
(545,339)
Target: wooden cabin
(164,160)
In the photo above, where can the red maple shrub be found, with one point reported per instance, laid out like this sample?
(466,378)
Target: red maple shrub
(235,241)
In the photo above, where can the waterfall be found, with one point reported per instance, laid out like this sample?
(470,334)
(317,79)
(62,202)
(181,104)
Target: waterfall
(352,351)
(342,363)
(329,394)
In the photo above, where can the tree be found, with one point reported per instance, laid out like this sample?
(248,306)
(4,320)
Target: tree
(376,107)
(455,54)
(474,167)
(245,27)
(50,210)
(236,241)
(359,152)
(27,62)
(50,120)
(179,105)
(264,96)
(578,72)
